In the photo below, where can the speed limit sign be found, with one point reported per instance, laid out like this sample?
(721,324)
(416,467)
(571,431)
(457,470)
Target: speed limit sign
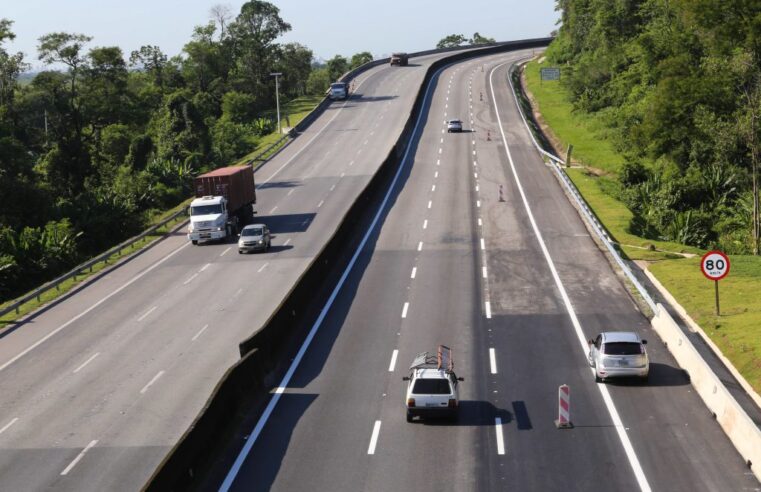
(715,265)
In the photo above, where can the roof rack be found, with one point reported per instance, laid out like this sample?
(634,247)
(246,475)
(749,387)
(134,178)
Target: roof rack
(442,359)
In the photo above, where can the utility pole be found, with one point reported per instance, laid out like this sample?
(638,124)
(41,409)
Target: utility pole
(277,99)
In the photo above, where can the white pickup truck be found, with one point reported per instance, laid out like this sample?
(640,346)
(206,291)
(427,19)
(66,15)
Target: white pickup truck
(432,386)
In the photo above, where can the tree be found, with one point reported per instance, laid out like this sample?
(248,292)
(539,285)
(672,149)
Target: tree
(105,87)
(11,65)
(452,41)
(360,59)
(152,60)
(294,61)
(337,66)
(319,81)
(221,15)
(478,39)
(238,107)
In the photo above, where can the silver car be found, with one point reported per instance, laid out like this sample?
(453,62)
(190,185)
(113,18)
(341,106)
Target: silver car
(454,126)
(619,354)
(254,237)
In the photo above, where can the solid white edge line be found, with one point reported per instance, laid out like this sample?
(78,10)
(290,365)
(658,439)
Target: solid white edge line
(500,438)
(83,313)
(85,363)
(235,468)
(487,307)
(618,424)
(79,457)
(391,366)
(374,437)
(9,424)
(404,309)
(195,337)
(141,318)
(492,361)
(150,383)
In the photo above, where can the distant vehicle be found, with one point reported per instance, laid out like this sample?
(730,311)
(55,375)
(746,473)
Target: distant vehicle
(454,126)
(432,386)
(619,354)
(254,237)
(226,197)
(339,90)
(401,59)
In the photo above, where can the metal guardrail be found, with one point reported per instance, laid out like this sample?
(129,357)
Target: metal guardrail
(55,283)
(587,212)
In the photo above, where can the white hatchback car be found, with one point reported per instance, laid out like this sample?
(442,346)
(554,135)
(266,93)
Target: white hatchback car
(432,386)
(618,354)
(454,126)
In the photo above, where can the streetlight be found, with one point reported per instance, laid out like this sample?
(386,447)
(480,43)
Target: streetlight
(277,99)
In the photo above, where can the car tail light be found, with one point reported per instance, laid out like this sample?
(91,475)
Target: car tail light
(452,403)
(410,402)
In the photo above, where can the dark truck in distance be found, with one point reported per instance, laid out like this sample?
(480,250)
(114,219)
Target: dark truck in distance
(224,204)
(401,59)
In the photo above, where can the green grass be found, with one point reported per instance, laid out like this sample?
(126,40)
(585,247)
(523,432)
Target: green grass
(71,283)
(737,331)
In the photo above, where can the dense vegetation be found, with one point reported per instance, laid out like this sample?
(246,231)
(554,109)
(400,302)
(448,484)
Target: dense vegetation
(454,40)
(678,82)
(90,148)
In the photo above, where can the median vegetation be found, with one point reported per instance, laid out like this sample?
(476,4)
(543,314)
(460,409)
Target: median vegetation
(662,112)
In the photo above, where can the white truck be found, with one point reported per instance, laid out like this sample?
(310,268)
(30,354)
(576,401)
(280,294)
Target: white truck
(224,203)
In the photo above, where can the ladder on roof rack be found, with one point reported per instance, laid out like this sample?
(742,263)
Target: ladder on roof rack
(441,360)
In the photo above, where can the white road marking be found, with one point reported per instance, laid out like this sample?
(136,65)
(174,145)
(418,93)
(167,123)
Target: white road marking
(500,438)
(92,358)
(487,306)
(435,175)
(225,251)
(343,174)
(273,209)
(430,203)
(79,457)
(190,279)
(414,272)
(438,162)
(332,187)
(474,152)
(420,246)
(478,203)
(141,318)
(404,309)
(617,423)
(320,204)
(483,244)
(261,269)
(474,142)
(483,272)
(480,222)
(475,163)
(9,424)
(393,361)
(150,383)
(476,188)
(286,242)
(492,361)
(351,163)
(442,140)
(205,267)
(439,151)
(291,191)
(195,337)
(425,224)
(475,175)
(374,437)
(433,188)
(83,313)
(363,143)
(359,151)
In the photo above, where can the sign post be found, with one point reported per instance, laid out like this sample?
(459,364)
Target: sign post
(715,266)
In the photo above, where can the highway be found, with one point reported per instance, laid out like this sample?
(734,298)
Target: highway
(98,386)
(479,249)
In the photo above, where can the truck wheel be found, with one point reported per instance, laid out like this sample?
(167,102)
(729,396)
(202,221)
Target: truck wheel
(194,241)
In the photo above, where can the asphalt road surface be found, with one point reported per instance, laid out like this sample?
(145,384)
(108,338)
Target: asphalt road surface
(479,249)
(98,387)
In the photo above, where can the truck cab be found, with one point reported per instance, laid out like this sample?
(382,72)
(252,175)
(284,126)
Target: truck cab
(401,59)
(209,220)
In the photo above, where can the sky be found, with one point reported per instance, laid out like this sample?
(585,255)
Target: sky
(327,27)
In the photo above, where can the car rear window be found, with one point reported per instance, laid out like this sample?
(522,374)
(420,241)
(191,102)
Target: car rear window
(621,348)
(431,387)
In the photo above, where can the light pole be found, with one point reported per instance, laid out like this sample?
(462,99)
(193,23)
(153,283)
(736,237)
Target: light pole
(277,99)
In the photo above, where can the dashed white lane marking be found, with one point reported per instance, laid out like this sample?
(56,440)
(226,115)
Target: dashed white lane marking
(478,203)
(475,163)
(425,224)
(404,309)
(195,337)
(414,272)
(225,251)
(150,383)
(500,438)
(483,244)
(332,187)
(286,242)
(261,269)
(442,130)
(363,143)
(475,175)
(483,272)
(141,318)
(439,151)
(371,133)
(359,151)
(291,191)
(374,437)
(92,358)
(393,360)
(435,175)
(205,267)
(438,162)
(320,204)
(190,279)
(9,424)
(487,306)
(476,188)
(492,361)
(480,222)
(273,209)
(442,140)
(351,163)
(433,187)
(79,457)
(430,203)
(474,142)
(420,246)
(343,174)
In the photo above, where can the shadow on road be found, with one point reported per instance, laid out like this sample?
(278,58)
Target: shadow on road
(473,413)
(280,184)
(281,224)
(660,375)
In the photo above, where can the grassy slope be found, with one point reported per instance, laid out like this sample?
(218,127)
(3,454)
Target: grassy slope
(736,331)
